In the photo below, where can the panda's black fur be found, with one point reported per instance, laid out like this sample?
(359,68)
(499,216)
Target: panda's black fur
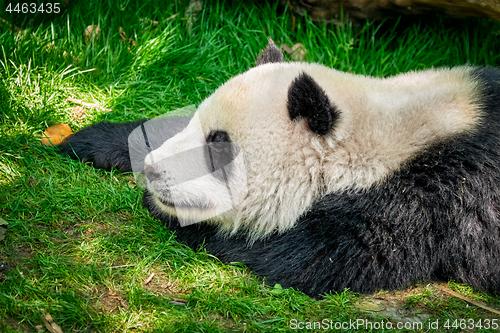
(104,144)
(437,217)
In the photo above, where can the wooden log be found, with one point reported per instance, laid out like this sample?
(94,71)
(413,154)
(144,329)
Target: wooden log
(376,9)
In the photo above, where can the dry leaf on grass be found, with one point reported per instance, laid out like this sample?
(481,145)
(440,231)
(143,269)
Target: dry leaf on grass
(3,228)
(297,52)
(124,37)
(195,6)
(92,32)
(54,135)
(49,323)
(365,305)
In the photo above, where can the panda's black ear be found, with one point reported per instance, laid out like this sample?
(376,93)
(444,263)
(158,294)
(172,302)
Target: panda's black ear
(270,54)
(306,99)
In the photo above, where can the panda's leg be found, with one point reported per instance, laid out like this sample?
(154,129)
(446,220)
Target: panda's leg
(104,144)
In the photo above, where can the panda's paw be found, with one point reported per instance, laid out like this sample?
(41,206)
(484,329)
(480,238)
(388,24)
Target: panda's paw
(104,144)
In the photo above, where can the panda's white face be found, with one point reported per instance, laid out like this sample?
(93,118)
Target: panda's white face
(276,174)
(283,165)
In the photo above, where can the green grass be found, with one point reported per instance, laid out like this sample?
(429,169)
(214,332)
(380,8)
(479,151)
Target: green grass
(79,244)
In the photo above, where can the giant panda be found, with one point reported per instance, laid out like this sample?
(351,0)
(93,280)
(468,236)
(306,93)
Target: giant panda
(351,181)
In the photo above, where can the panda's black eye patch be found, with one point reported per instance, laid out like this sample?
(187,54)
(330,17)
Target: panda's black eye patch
(218,136)
(219,154)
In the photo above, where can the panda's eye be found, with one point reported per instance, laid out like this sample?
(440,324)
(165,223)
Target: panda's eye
(219,152)
(219,141)
(218,136)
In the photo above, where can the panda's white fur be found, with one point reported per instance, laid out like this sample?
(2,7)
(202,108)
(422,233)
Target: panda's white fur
(383,123)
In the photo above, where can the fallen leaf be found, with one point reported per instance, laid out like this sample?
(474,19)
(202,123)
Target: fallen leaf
(3,228)
(195,6)
(368,306)
(297,52)
(54,135)
(92,32)
(123,35)
(49,323)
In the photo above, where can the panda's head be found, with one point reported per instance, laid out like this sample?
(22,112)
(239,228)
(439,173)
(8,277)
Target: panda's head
(269,142)
(251,156)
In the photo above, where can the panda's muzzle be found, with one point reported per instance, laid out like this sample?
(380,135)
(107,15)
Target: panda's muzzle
(192,205)
(151,174)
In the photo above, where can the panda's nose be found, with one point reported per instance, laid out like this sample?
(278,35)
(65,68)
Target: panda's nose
(151,173)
